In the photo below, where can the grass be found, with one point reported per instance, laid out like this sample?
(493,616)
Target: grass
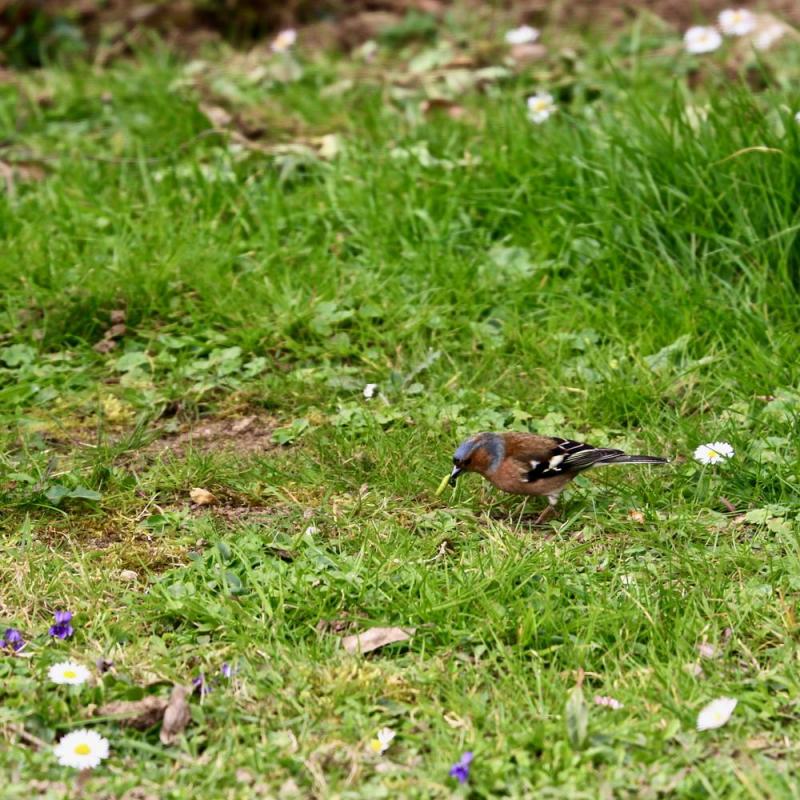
(626,273)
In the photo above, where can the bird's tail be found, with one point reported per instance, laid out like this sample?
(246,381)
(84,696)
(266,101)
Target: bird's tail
(626,459)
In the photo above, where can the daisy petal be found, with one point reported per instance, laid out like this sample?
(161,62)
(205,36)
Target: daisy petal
(737,21)
(69,673)
(713,452)
(525,34)
(716,713)
(81,749)
(701,39)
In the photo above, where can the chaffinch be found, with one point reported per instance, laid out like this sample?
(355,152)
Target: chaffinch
(525,463)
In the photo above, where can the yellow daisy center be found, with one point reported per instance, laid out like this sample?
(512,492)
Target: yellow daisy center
(70,673)
(82,749)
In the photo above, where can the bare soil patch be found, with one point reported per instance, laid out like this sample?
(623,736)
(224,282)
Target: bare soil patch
(680,13)
(246,436)
(237,513)
(115,26)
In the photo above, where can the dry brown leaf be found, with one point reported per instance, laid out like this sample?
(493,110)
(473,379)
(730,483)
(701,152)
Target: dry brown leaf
(202,497)
(118,315)
(12,172)
(115,331)
(29,171)
(104,346)
(216,115)
(139,714)
(757,743)
(526,53)
(176,715)
(374,638)
(636,516)
(333,625)
(461,61)
(449,107)
(240,426)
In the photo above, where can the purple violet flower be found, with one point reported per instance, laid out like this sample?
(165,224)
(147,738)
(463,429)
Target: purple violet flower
(62,629)
(226,669)
(460,770)
(13,639)
(200,684)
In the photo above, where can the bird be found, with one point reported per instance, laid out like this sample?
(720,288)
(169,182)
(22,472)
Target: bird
(530,464)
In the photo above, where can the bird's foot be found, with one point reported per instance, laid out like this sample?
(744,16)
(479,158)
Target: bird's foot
(546,515)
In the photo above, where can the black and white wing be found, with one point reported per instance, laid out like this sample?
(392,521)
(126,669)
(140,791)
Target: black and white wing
(568,457)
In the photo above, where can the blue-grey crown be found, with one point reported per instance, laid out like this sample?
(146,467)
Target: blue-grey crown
(466,449)
(493,444)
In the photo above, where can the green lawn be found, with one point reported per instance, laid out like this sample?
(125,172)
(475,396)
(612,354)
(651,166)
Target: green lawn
(625,273)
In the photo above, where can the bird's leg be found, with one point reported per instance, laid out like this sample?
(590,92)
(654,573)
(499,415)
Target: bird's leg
(549,512)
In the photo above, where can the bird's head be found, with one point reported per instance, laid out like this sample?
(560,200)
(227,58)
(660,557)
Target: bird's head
(481,453)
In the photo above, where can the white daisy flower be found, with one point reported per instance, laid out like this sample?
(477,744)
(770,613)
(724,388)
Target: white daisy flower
(608,702)
(737,21)
(716,713)
(768,36)
(370,389)
(284,41)
(380,744)
(81,749)
(68,672)
(713,453)
(540,106)
(525,34)
(701,39)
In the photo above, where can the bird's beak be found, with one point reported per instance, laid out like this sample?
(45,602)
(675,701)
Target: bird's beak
(454,474)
